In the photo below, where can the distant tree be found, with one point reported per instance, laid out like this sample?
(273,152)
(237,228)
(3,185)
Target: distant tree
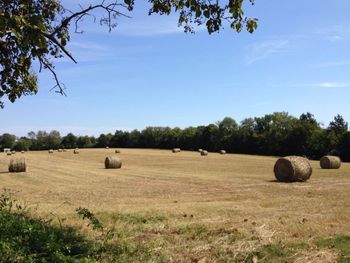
(228,129)
(31,135)
(104,140)
(247,138)
(40,30)
(23,144)
(272,130)
(93,141)
(319,144)
(299,139)
(227,125)
(120,139)
(344,147)
(54,139)
(308,118)
(7,141)
(84,142)
(272,134)
(336,131)
(41,140)
(188,138)
(148,138)
(210,138)
(338,125)
(247,127)
(134,138)
(169,138)
(69,141)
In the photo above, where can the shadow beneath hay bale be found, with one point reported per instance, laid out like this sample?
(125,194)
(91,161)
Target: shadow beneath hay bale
(279,182)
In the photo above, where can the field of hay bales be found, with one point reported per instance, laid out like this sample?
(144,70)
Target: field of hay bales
(193,208)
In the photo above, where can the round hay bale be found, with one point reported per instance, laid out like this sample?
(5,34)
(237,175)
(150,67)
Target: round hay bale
(222,152)
(176,150)
(22,151)
(50,151)
(13,152)
(204,153)
(330,162)
(76,151)
(200,150)
(59,150)
(113,162)
(292,169)
(17,165)
(117,151)
(107,147)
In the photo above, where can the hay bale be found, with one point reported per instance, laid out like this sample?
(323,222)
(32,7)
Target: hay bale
(204,153)
(17,165)
(176,150)
(292,169)
(200,150)
(13,152)
(117,151)
(9,153)
(50,151)
(222,152)
(76,151)
(59,150)
(107,147)
(330,162)
(113,162)
(22,151)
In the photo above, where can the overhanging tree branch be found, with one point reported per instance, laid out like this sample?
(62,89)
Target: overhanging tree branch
(38,29)
(58,85)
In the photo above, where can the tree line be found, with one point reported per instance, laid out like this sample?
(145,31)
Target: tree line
(276,134)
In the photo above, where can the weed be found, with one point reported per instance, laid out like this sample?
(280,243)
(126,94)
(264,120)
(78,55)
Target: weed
(340,243)
(27,239)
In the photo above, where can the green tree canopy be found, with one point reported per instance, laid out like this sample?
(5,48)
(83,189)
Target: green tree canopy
(69,141)
(7,140)
(23,144)
(40,30)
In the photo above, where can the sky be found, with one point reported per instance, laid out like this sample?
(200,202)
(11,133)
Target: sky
(148,72)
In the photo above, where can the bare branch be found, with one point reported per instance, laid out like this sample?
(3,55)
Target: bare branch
(55,41)
(58,85)
(110,8)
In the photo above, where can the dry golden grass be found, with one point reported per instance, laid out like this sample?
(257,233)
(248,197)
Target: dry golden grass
(229,195)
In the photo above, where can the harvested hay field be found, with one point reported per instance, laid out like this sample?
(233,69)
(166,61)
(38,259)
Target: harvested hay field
(222,208)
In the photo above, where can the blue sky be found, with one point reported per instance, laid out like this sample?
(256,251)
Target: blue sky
(147,72)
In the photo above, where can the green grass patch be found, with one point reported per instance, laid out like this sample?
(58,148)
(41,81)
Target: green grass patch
(339,243)
(274,253)
(24,238)
(136,218)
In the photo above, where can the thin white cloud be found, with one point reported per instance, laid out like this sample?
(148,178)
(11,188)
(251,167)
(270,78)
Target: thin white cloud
(336,33)
(86,51)
(333,85)
(265,49)
(148,26)
(93,52)
(329,64)
(88,45)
